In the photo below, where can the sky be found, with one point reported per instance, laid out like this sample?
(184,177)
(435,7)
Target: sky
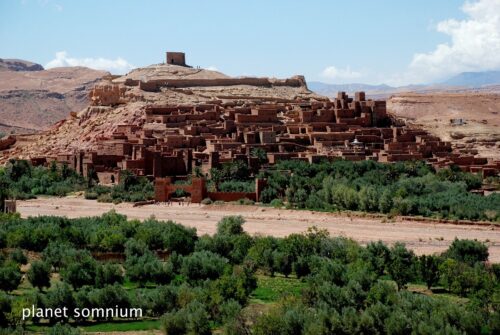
(396,42)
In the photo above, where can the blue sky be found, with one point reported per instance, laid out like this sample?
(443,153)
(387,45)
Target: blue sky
(384,41)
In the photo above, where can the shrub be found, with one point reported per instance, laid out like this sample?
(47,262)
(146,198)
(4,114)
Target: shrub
(91,195)
(63,329)
(230,225)
(105,198)
(206,201)
(277,203)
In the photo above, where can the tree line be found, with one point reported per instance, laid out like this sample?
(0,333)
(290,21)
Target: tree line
(403,188)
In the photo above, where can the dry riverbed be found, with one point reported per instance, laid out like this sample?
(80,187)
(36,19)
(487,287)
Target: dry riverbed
(422,237)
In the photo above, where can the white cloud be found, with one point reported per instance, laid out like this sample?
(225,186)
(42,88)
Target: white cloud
(474,46)
(337,74)
(212,68)
(115,66)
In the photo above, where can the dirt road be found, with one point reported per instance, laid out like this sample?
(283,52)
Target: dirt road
(423,238)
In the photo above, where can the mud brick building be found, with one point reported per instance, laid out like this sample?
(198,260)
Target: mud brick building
(171,141)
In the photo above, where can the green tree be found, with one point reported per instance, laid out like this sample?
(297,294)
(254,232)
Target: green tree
(401,265)
(39,274)
(110,296)
(108,274)
(10,277)
(202,265)
(378,256)
(81,270)
(230,225)
(260,154)
(60,296)
(468,251)
(428,266)
(143,269)
(282,262)
(368,199)
(57,254)
(192,319)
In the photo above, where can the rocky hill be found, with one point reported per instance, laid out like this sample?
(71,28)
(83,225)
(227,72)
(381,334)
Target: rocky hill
(123,100)
(32,99)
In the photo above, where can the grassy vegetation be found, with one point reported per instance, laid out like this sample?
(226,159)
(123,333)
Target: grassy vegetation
(123,326)
(271,289)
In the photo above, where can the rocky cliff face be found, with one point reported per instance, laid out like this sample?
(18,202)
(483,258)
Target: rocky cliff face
(32,99)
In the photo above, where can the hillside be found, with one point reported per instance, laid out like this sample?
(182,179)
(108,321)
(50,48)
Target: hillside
(480,131)
(127,103)
(32,99)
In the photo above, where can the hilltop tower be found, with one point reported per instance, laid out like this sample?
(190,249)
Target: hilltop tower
(176,58)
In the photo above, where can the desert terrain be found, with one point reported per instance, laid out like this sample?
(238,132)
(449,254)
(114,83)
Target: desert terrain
(422,237)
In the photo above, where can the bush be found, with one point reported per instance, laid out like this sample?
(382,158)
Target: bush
(277,203)
(105,198)
(91,195)
(206,201)
(230,225)
(245,201)
(60,329)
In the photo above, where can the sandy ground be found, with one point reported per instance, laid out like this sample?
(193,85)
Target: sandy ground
(423,238)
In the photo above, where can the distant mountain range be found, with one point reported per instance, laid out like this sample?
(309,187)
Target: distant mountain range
(487,80)
(474,79)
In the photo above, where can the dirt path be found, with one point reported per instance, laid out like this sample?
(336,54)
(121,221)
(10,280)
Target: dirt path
(423,238)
